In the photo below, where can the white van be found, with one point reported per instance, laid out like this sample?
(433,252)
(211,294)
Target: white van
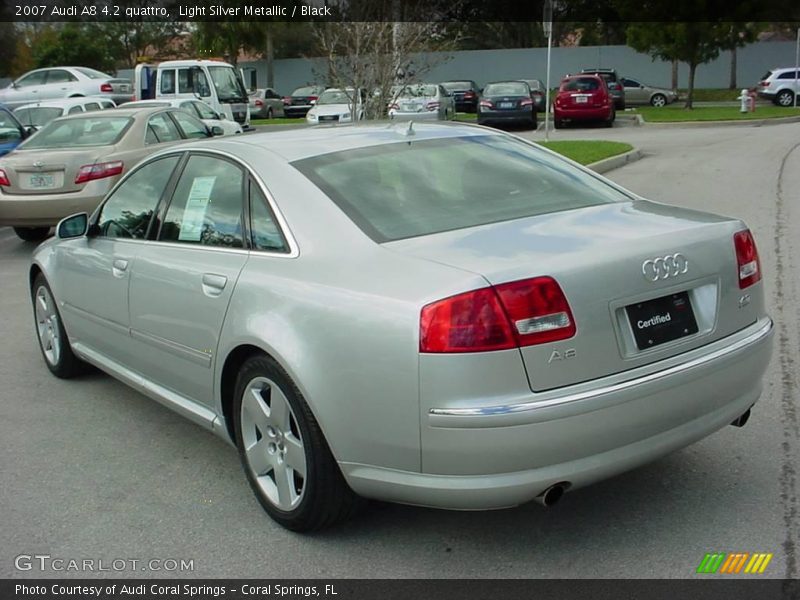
(216,83)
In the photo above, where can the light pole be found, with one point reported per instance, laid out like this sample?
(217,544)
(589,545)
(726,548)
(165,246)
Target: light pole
(796,67)
(547,27)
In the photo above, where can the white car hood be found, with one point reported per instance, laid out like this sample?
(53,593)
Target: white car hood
(331,109)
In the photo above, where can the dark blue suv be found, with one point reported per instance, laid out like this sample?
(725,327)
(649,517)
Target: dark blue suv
(12,132)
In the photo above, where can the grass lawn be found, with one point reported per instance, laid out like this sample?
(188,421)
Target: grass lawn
(712,95)
(280,121)
(470,117)
(676,112)
(587,151)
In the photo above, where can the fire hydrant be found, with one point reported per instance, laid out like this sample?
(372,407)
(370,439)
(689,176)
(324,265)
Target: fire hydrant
(744,97)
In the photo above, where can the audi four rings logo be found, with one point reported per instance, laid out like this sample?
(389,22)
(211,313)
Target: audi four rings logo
(665,267)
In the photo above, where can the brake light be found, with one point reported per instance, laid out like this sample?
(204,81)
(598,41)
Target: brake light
(106,87)
(98,171)
(486,104)
(259,102)
(431,106)
(312,98)
(287,100)
(747,259)
(4,178)
(394,106)
(526,102)
(763,83)
(469,95)
(516,314)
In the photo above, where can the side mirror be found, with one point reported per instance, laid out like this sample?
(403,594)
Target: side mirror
(73,226)
(216,130)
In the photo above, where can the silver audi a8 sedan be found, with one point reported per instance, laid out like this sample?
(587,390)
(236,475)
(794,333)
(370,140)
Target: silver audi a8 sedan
(439,314)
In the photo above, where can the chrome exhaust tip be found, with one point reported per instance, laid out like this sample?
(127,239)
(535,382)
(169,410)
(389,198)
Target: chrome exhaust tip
(552,494)
(740,422)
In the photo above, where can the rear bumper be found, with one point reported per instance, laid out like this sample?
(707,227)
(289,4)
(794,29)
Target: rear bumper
(414,116)
(504,116)
(583,114)
(43,210)
(498,456)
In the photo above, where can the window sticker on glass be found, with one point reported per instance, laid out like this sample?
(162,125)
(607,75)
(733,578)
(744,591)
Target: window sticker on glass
(195,211)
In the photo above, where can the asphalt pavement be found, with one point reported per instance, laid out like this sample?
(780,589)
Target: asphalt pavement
(94,470)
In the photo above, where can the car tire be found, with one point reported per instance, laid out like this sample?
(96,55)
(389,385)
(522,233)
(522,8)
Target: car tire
(32,234)
(658,100)
(558,124)
(784,98)
(284,453)
(609,122)
(53,340)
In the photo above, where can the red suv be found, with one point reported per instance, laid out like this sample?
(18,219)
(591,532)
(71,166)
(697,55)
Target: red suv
(583,98)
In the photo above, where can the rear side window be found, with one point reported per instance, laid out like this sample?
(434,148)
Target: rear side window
(127,213)
(94,131)
(91,106)
(168,81)
(787,75)
(160,128)
(206,207)
(192,126)
(266,235)
(581,84)
(60,76)
(404,190)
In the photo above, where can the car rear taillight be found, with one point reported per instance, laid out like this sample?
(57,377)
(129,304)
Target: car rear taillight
(763,83)
(4,178)
(106,87)
(526,102)
(98,171)
(259,103)
(747,259)
(431,106)
(516,314)
(394,106)
(287,100)
(312,98)
(486,104)
(469,95)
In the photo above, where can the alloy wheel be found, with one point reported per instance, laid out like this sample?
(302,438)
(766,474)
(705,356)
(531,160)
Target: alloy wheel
(47,325)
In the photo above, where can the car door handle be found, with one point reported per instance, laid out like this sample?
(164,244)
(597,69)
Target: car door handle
(119,267)
(213,284)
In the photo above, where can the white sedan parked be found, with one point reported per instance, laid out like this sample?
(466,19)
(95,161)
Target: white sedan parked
(336,106)
(427,101)
(64,82)
(196,108)
(41,113)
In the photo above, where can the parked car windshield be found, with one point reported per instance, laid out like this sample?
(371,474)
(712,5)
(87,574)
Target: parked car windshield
(38,116)
(457,85)
(513,88)
(79,132)
(580,84)
(403,190)
(308,90)
(227,84)
(414,91)
(336,97)
(92,74)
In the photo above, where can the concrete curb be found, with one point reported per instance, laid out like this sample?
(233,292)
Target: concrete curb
(615,162)
(746,123)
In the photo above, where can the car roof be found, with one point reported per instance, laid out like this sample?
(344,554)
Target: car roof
(119,112)
(297,144)
(61,103)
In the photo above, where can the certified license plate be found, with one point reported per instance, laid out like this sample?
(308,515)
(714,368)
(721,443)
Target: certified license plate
(41,181)
(505,105)
(661,320)
(581,99)
(411,107)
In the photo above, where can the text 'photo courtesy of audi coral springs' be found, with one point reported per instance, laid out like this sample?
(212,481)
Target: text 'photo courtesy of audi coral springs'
(444,315)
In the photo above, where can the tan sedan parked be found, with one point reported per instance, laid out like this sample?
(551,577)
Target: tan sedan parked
(73,162)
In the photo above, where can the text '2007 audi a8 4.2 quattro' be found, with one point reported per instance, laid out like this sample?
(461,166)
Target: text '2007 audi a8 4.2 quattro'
(440,315)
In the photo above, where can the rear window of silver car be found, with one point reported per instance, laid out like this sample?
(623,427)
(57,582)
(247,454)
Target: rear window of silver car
(404,190)
(79,132)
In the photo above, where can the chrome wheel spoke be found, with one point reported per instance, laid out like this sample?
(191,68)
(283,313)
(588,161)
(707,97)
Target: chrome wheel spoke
(259,458)
(279,409)
(256,409)
(283,481)
(295,455)
(47,325)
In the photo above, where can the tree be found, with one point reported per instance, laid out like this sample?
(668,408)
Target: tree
(694,43)
(739,34)
(73,44)
(382,43)
(9,47)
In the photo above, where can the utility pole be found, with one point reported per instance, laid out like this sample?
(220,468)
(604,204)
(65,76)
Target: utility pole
(547,27)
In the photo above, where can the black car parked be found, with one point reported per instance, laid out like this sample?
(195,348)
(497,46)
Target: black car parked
(301,100)
(507,102)
(466,94)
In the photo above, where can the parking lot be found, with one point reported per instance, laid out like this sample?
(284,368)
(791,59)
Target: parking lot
(95,470)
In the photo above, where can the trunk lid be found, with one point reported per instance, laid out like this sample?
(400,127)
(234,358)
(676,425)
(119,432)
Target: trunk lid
(598,255)
(120,86)
(49,170)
